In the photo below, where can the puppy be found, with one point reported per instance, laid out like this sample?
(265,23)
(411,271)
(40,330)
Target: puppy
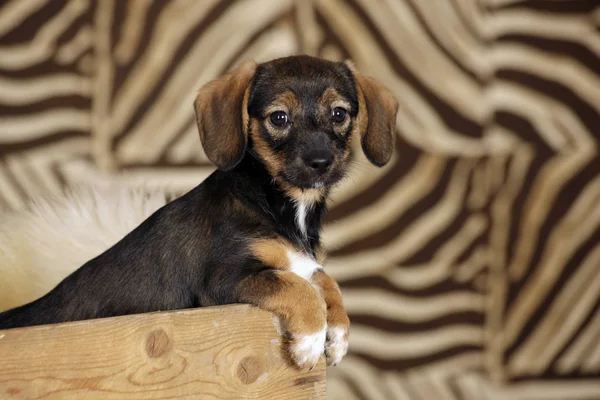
(279,134)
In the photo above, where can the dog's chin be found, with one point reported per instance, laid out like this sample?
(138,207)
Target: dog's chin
(321,182)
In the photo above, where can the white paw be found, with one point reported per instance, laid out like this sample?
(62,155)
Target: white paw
(336,346)
(307,349)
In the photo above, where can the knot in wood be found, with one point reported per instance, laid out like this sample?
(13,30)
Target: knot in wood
(249,369)
(157,343)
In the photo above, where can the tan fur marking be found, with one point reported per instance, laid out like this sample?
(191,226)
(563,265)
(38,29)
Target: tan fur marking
(272,161)
(276,132)
(321,255)
(336,313)
(275,164)
(306,196)
(303,310)
(245,115)
(286,101)
(329,100)
(272,252)
(362,119)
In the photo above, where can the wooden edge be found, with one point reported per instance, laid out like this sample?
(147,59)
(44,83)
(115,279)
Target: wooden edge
(228,352)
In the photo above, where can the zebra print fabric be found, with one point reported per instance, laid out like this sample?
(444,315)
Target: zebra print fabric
(470,265)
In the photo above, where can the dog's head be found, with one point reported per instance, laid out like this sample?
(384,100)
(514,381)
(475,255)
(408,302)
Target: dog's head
(297,115)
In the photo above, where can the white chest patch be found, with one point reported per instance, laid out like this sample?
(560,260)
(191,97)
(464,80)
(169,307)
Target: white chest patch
(302,265)
(301,210)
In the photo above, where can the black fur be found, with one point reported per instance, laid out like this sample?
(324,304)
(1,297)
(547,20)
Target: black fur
(194,251)
(167,263)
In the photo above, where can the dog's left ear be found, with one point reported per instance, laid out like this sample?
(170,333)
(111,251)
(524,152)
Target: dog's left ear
(222,116)
(376,118)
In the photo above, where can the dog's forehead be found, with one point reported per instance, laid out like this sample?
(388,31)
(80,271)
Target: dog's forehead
(304,76)
(304,67)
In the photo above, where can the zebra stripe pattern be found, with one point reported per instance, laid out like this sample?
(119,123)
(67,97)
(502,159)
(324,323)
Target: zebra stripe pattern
(469,265)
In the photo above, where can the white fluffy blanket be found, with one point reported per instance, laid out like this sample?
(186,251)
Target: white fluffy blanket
(42,245)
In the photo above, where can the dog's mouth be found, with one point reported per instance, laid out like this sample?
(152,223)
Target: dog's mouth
(305,181)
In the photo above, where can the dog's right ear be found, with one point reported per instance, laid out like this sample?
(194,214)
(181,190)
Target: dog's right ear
(222,116)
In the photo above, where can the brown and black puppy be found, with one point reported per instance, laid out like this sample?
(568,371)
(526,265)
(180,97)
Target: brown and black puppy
(279,133)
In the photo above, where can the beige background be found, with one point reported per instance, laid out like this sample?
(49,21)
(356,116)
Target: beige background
(470,265)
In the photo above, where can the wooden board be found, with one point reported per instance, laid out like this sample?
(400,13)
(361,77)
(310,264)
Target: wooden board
(230,352)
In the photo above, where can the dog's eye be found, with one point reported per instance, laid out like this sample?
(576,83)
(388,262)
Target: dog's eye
(279,118)
(338,115)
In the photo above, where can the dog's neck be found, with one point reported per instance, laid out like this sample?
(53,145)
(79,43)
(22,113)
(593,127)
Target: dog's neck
(297,213)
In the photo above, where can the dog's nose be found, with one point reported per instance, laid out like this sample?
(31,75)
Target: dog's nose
(319,162)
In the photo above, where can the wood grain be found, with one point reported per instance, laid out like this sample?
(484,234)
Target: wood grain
(230,352)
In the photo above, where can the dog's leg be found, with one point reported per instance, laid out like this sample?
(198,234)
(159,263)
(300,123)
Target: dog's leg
(338,323)
(296,300)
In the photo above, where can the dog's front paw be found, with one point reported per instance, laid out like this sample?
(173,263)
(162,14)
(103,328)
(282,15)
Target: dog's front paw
(336,345)
(307,349)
